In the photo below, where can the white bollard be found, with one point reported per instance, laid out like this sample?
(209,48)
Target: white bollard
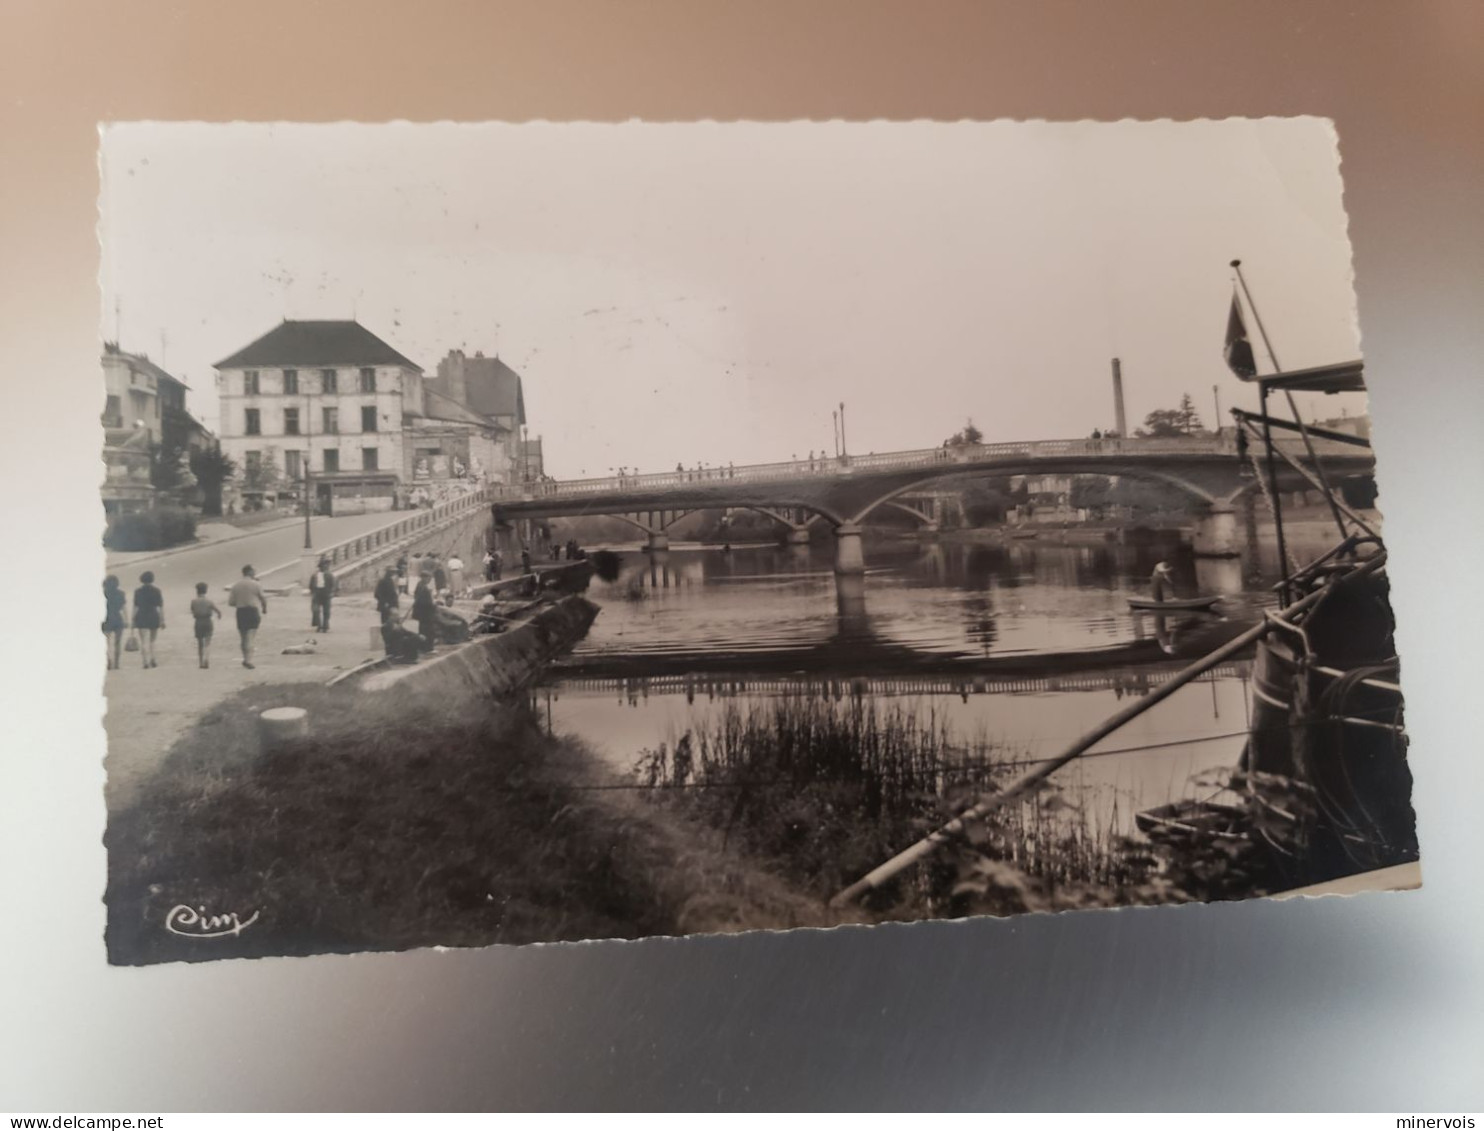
(278,726)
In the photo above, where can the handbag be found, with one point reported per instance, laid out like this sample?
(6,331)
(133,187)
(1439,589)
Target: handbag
(132,644)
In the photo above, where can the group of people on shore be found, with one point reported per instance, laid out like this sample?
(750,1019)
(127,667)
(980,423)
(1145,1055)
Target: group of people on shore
(438,583)
(246,596)
(432,581)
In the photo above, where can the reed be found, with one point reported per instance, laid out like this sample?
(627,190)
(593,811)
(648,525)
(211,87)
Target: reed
(825,789)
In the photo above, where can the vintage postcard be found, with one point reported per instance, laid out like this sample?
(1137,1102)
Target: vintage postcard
(544,532)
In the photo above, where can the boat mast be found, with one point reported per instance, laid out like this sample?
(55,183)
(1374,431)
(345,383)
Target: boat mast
(1328,491)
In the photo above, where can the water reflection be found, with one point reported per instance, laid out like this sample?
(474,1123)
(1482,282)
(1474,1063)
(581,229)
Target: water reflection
(1024,643)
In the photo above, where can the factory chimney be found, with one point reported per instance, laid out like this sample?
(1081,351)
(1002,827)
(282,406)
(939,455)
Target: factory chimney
(1118,416)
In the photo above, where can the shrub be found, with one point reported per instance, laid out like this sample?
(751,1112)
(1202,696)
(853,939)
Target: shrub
(151,530)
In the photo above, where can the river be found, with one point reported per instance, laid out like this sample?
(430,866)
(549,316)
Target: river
(1023,645)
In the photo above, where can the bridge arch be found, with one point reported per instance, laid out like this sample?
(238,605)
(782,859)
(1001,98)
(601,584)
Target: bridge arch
(1200,494)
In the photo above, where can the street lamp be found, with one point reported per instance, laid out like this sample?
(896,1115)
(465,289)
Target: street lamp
(844,451)
(308,464)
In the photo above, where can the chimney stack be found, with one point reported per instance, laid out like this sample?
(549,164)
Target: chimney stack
(1118,416)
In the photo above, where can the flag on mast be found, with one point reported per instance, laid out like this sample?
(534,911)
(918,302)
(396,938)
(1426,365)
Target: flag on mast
(1239,358)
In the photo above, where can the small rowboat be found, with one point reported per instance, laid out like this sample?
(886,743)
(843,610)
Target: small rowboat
(1173,604)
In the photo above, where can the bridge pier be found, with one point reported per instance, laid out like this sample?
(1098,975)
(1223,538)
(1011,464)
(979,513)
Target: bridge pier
(850,597)
(1215,533)
(659,540)
(798,536)
(849,557)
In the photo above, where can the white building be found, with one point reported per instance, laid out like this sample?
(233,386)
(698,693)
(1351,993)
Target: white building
(327,397)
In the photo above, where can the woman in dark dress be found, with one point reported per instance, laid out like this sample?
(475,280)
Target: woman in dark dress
(114,602)
(149,616)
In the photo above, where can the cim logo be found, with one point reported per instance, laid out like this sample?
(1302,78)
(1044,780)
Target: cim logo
(194,923)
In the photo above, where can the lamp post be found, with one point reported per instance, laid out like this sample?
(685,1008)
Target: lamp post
(844,451)
(308,464)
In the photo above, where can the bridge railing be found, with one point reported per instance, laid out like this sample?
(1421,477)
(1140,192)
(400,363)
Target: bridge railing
(342,553)
(1223,445)
(844,465)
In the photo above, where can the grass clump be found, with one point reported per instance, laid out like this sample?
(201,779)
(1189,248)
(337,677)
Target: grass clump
(824,790)
(403,823)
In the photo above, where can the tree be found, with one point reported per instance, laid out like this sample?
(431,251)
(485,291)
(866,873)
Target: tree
(968,434)
(1092,493)
(1183,420)
(212,469)
(986,501)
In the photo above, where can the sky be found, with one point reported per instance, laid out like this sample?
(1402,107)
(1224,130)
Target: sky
(712,292)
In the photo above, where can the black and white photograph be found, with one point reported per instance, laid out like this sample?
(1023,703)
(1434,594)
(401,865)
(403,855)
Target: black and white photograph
(532,533)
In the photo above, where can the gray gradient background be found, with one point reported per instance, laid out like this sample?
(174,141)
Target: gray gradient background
(1374,1002)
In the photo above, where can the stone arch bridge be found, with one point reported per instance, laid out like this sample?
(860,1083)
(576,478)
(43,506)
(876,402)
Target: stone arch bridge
(843,491)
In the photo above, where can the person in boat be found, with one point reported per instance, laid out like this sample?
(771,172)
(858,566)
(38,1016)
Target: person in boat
(450,627)
(386,594)
(425,609)
(1162,579)
(402,646)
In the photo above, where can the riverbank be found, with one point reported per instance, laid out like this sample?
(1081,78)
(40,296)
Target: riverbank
(402,822)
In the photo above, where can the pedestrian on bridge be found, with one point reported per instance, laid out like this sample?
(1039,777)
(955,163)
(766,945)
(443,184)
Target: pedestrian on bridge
(456,575)
(251,603)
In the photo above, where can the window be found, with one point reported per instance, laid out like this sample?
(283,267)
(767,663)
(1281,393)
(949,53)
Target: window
(330,421)
(249,382)
(293,464)
(328,381)
(369,459)
(254,424)
(368,379)
(332,460)
(291,422)
(368,418)
(291,382)
(113,413)
(254,462)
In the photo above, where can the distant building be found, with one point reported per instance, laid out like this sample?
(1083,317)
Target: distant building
(493,392)
(144,418)
(326,397)
(1350,425)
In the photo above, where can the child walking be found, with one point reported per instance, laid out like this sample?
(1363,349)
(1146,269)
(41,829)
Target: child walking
(203,608)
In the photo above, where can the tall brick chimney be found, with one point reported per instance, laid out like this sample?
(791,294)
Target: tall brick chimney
(1118,415)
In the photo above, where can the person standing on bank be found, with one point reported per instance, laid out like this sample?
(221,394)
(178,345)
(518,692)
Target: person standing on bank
(425,610)
(203,609)
(440,575)
(149,616)
(386,595)
(321,589)
(114,602)
(456,574)
(251,603)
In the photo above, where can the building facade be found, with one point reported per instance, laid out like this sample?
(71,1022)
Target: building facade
(326,401)
(144,419)
(492,391)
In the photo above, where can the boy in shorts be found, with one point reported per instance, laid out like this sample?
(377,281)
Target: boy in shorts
(203,608)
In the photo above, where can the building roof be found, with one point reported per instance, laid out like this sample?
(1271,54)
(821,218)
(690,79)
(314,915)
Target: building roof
(139,361)
(494,388)
(309,344)
(438,407)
